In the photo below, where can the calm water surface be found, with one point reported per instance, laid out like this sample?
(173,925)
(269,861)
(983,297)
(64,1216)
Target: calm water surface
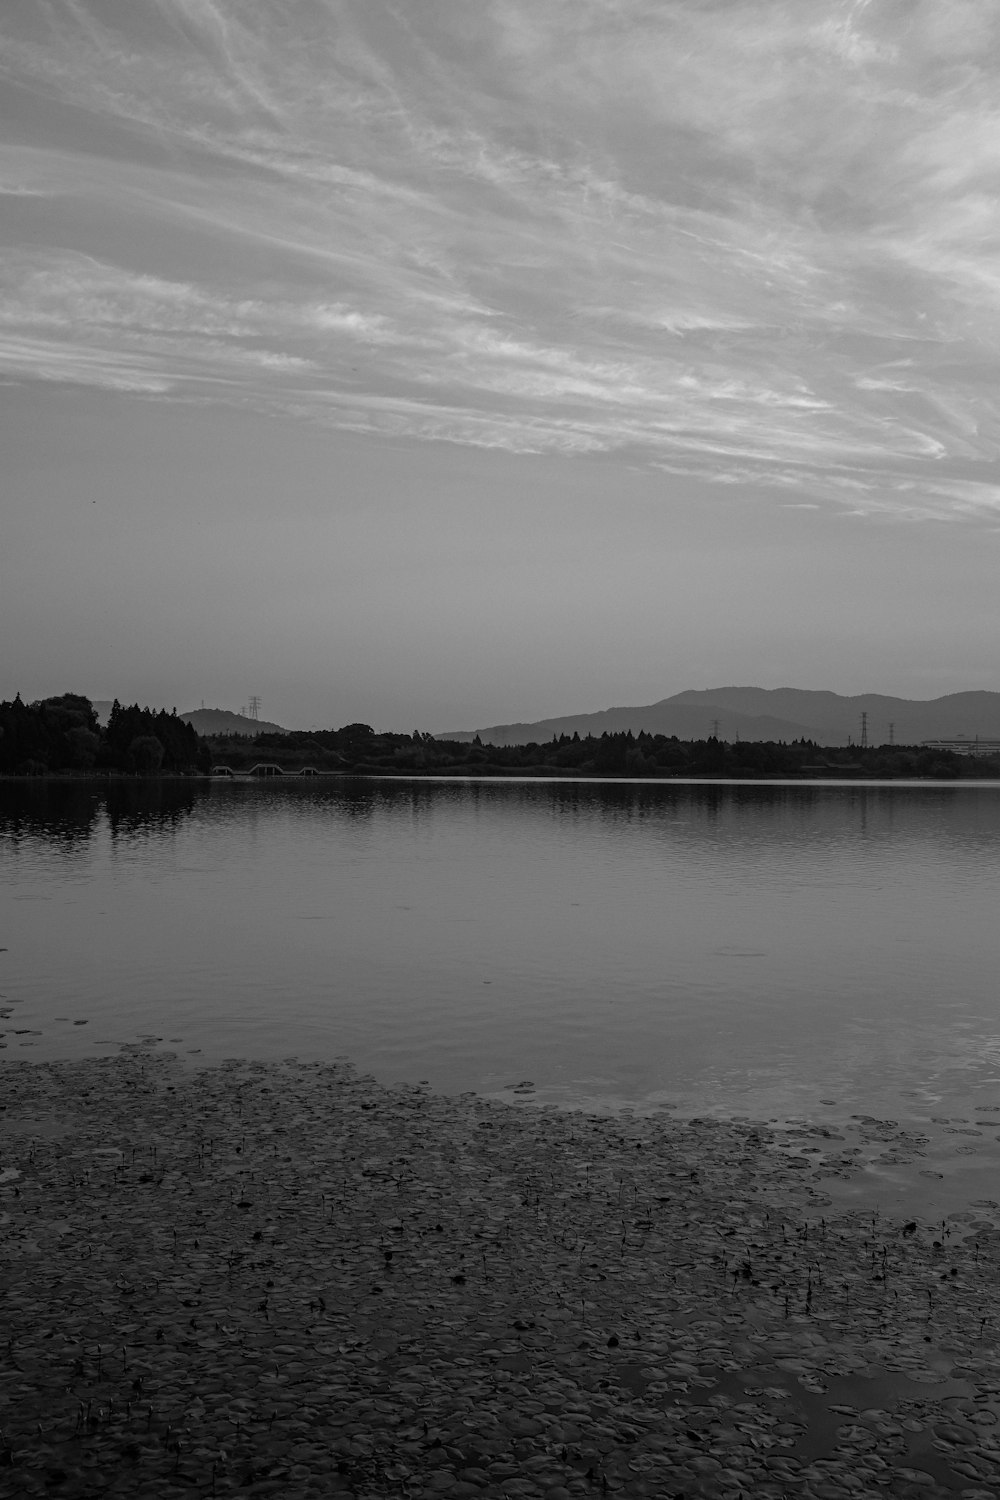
(740,949)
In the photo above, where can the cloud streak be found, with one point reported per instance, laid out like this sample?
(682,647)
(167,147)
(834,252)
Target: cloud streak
(752,242)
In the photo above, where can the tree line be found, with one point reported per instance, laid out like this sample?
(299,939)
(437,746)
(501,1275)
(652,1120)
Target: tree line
(357,748)
(62,735)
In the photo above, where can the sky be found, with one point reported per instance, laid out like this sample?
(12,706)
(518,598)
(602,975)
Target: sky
(438,364)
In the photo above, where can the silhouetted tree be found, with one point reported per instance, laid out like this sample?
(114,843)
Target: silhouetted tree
(145,754)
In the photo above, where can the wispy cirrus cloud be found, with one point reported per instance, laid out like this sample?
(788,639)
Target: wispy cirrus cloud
(748,241)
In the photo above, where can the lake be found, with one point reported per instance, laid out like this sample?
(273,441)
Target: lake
(726,948)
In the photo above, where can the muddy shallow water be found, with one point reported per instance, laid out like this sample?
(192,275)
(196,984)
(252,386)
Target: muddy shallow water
(287,1279)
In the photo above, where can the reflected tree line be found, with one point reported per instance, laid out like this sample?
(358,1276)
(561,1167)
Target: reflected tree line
(66,812)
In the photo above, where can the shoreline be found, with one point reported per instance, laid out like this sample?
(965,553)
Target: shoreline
(288,1279)
(496,776)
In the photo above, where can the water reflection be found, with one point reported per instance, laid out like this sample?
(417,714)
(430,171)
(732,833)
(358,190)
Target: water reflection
(740,946)
(148,808)
(68,813)
(61,812)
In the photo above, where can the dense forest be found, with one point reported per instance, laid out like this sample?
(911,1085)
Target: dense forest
(358,749)
(61,735)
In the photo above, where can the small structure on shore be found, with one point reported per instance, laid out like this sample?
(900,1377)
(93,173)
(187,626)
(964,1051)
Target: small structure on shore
(962,745)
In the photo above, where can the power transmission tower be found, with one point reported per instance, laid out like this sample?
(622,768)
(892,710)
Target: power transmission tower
(864,731)
(715,729)
(254,709)
(892,734)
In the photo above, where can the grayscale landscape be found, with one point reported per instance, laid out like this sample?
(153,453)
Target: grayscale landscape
(499,750)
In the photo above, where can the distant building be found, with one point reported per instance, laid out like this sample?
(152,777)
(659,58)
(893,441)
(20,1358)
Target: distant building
(964,746)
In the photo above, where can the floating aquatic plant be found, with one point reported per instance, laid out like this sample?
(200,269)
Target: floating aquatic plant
(585,1304)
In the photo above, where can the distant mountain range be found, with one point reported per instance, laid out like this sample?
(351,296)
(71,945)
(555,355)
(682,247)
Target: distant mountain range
(206,720)
(750,713)
(224,721)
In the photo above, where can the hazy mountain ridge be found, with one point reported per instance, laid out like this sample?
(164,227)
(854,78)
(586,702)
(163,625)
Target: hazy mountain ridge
(968,714)
(205,720)
(757,714)
(224,721)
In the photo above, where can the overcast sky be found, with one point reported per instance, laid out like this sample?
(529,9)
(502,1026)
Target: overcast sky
(443,362)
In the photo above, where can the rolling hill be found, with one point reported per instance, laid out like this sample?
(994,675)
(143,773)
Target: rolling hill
(206,720)
(224,721)
(751,713)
